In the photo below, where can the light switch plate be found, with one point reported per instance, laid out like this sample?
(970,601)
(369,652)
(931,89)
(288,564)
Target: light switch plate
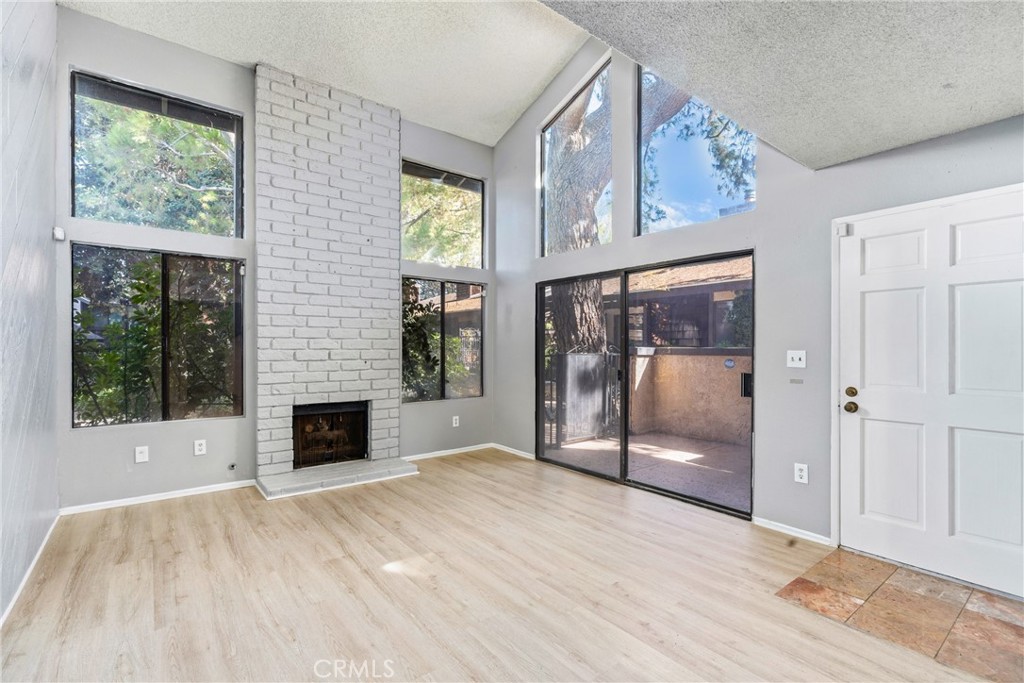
(141,454)
(796,359)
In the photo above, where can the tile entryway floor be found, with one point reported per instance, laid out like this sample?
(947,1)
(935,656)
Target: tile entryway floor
(958,625)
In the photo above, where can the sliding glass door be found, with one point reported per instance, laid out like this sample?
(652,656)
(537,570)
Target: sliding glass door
(690,368)
(579,360)
(681,336)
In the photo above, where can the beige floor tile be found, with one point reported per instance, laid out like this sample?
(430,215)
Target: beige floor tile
(930,586)
(985,646)
(849,573)
(916,621)
(997,606)
(823,600)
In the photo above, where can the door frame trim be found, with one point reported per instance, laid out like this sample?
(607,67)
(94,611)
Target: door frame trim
(840,228)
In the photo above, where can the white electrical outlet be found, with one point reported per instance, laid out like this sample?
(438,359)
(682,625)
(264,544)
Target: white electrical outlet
(455,420)
(796,359)
(199,447)
(141,454)
(800,473)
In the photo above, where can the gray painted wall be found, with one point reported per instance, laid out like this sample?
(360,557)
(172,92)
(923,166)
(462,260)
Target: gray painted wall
(28,443)
(790,232)
(97,463)
(426,427)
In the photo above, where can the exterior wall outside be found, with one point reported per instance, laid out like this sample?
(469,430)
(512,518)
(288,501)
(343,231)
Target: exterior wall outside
(427,425)
(97,463)
(327,242)
(690,395)
(28,323)
(790,234)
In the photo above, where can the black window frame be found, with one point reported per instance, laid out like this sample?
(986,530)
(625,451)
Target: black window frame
(442,370)
(454,179)
(605,66)
(238,361)
(134,97)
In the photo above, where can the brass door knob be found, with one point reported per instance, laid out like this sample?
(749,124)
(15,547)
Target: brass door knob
(851,391)
(851,407)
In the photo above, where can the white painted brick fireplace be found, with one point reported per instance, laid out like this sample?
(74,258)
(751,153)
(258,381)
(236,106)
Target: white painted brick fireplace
(327,269)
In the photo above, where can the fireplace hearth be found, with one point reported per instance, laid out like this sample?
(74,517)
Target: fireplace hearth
(328,433)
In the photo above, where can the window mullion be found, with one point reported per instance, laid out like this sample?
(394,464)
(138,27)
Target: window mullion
(165,335)
(239,357)
(444,372)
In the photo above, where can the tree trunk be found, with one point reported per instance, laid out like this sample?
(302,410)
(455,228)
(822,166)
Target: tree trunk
(578,167)
(577,309)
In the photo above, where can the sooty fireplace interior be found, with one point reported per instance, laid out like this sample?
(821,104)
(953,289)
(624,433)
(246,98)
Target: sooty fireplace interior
(329,432)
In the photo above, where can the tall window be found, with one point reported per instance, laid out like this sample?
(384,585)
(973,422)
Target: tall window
(146,159)
(695,163)
(442,217)
(154,336)
(576,166)
(442,339)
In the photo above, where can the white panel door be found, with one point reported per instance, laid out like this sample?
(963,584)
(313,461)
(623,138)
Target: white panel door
(931,341)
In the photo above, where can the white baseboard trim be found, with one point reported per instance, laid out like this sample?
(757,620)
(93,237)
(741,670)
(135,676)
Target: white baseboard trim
(450,451)
(467,449)
(28,572)
(346,485)
(512,451)
(166,495)
(793,531)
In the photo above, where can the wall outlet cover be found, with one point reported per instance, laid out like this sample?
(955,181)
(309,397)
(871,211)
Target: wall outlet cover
(800,473)
(455,420)
(141,454)
(199,447)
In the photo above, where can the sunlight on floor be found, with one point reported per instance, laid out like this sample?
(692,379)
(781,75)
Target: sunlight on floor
(410,567)
(593,445)
(649,450)
(715,471)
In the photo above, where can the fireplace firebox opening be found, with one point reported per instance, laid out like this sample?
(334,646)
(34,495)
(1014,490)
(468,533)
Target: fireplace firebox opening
(327,433)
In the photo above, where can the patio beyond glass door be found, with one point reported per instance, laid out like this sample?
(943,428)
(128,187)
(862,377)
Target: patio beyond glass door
(645,377)
(578,354)
(690,368)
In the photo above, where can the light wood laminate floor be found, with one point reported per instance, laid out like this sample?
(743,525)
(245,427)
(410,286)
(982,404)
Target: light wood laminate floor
(485,566)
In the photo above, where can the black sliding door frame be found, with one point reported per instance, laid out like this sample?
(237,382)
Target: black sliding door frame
(624,379)
(539,375)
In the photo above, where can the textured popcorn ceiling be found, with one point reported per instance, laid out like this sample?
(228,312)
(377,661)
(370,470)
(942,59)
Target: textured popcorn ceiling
(468,68)
(827,82)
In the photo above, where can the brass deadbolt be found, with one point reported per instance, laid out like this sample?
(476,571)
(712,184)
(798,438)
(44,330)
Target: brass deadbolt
(851,391)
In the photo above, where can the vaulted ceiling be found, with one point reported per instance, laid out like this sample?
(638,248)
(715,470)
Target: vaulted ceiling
(824,82)
(467,68)
(827,82)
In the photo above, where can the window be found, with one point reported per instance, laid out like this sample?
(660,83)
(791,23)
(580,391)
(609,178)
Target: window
(576,167)
(442,337)
(154,336)
(146,159)
(442,217)
(695,163)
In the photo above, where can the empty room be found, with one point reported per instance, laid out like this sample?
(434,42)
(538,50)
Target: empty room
(511,340)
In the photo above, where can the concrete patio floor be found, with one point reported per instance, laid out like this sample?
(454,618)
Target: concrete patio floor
(713,471)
